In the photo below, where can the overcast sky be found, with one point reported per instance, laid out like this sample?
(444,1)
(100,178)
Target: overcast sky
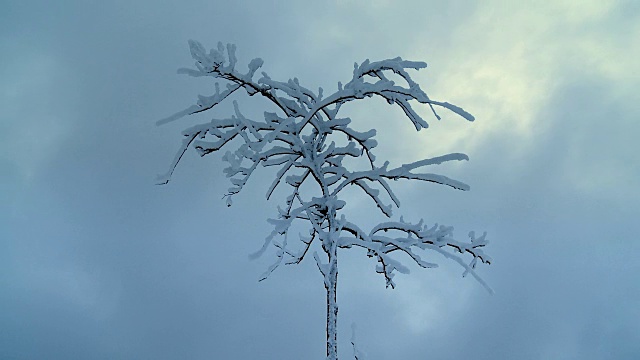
(96,262)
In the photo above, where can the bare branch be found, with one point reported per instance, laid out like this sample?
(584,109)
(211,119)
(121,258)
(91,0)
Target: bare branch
(300,139)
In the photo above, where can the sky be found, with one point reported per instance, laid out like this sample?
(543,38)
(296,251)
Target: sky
(97,262)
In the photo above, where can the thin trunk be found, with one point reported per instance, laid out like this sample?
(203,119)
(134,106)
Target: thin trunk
(331,285)
(332,306)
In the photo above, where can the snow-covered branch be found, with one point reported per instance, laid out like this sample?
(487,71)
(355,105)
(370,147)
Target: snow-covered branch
(408,238)
(305,141)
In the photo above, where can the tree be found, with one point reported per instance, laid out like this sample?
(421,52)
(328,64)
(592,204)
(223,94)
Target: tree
(307,142)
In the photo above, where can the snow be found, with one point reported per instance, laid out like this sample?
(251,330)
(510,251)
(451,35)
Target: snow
(300,138)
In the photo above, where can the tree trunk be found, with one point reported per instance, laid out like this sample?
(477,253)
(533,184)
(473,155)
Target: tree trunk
(332,305)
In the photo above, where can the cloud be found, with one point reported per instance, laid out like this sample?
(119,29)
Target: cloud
(99,263)
(509,59)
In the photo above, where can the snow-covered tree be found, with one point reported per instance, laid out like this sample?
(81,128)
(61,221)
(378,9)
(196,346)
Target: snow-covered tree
(305,139)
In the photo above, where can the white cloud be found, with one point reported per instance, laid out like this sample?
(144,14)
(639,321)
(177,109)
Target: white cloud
(507,60)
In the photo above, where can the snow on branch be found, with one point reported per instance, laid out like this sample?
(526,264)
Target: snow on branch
(299,135)
(408,238)
(305,141)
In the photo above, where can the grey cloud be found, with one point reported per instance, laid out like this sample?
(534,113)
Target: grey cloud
(97,262)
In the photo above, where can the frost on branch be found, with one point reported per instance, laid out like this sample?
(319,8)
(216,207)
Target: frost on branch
(297,140)
(303,137)
(408,238)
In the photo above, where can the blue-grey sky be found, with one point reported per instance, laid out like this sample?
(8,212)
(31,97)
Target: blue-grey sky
(96,262)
